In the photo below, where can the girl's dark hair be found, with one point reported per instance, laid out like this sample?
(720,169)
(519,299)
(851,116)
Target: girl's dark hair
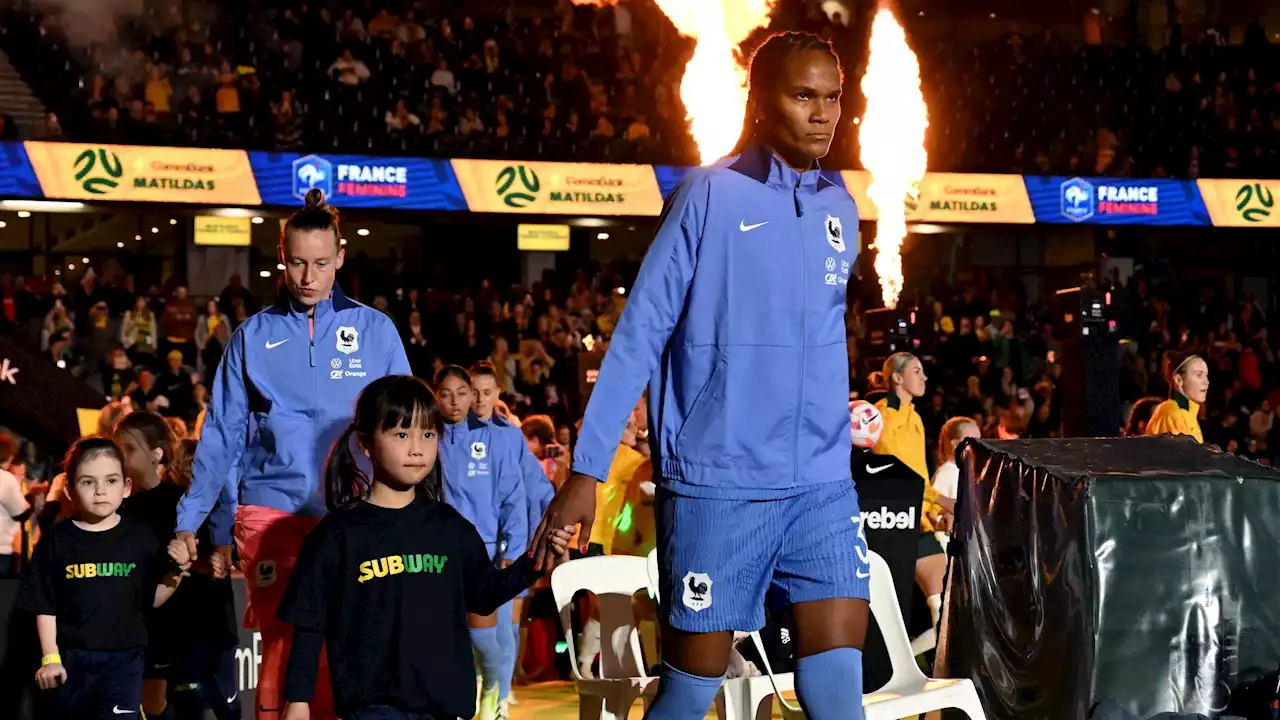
(395,401)
(455,370)
(155,432)
(1139,415)
(316,214)
(765,68)
(86,449)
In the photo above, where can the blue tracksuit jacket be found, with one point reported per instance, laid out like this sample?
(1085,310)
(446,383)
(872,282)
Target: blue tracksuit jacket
(736,323)
(538,489)
(280,398)
(482,482)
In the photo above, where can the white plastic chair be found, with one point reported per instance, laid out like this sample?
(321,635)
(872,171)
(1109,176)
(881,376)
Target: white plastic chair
(908,692)
(747,698)
(613,580)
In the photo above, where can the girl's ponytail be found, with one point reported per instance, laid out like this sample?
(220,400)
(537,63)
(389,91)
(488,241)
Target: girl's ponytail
(344,481)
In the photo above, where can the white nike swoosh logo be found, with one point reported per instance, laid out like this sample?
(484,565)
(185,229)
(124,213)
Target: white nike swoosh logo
(882,468)
(232,698)
(116,710)
(271,345)
(862,574)
(744,227)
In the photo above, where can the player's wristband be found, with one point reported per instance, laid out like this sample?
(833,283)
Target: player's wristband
(51,659)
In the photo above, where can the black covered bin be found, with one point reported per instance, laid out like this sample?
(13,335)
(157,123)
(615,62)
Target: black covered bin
(1140,570)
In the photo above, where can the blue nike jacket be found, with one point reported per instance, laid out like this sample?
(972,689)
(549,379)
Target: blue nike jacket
(482,482)
(281,397)
(736,323)
(538,489)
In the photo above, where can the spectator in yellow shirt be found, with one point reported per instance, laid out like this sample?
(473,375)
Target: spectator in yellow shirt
(1188,377)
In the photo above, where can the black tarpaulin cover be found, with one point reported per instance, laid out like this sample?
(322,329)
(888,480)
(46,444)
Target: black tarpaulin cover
(1142,570)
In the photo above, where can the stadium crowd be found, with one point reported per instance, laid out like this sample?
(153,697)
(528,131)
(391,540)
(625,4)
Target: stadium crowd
(558,81)
(991,352)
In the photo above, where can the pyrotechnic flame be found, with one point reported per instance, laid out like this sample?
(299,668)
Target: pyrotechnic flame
(714,86)
(891,138)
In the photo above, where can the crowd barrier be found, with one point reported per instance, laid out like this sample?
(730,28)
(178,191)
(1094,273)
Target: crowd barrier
(132,173)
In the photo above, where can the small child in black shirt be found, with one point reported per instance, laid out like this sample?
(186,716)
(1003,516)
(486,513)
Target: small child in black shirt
(387,578)
(91,580)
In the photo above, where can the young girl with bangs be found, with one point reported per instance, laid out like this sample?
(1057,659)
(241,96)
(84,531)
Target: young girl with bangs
(387,578)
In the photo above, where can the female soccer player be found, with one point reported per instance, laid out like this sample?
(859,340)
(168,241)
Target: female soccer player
(1188,377)
(483,481)
(736,322)
(281,397)
(903,438)
(538,492)
(388,577)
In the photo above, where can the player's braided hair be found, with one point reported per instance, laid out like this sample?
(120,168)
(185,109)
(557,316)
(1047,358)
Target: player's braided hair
(765,67)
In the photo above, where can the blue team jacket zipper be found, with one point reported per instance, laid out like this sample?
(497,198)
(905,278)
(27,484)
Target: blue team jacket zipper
(804,334)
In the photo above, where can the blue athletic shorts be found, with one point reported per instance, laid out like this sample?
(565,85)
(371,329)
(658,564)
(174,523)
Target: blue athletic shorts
(718,558)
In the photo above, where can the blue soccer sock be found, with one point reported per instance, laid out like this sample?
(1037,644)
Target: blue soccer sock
(829,684)
(507,648)
(489,649)
(682,696)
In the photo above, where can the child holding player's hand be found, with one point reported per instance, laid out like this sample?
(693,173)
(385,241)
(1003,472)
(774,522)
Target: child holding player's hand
(387,578)
(91,580)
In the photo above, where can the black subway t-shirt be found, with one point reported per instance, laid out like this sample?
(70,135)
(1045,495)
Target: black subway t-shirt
(390,590)
(97,584)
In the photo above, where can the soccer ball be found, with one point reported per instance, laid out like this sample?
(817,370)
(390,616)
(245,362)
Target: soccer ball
(865,424)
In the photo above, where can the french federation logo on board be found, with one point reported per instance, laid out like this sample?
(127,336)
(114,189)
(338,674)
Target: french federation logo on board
(1077,200)
(310,172)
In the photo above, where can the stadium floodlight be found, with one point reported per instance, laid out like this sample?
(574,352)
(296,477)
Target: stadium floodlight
(257,219)
(30,206)
(602,236)
(265,274)
(363,232)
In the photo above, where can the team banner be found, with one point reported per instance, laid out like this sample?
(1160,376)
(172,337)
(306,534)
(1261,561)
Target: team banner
(1116,201)
(953,198)
(550,188)
(137,173)
(1241,203)
(109,173)
(358,181)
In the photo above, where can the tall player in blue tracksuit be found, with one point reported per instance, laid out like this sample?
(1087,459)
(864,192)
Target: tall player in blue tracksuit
(283,394)
(482,481)
(736,322)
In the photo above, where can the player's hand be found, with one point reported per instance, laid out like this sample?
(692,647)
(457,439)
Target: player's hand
(182,548)
(178,553)
(560,547)
(574,505)
(51,676)
(220,561)
(297,711)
